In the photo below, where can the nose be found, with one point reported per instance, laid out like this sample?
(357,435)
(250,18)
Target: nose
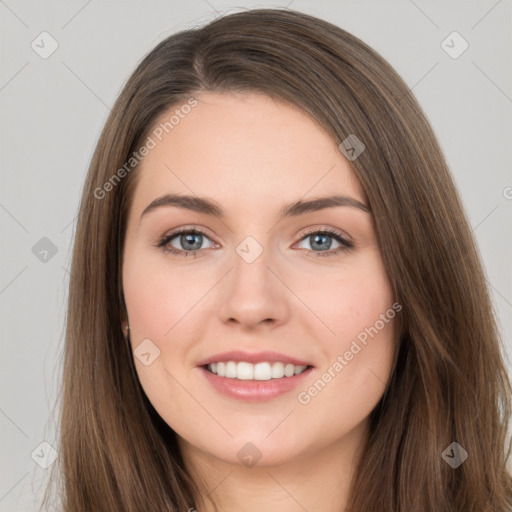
(253,295)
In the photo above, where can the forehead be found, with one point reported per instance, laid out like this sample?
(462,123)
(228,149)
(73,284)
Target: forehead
(245,149)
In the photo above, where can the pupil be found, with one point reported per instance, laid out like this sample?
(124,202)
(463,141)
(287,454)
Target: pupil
(189,238)
(316,238)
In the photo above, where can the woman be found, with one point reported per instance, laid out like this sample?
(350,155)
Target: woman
(252,374)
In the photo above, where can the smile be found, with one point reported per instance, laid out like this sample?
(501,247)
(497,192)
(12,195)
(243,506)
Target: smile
(243,370)
(254,383)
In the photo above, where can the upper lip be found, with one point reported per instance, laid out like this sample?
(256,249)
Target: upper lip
(254,357)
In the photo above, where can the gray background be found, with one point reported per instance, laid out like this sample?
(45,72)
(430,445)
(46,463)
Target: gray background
(53,110)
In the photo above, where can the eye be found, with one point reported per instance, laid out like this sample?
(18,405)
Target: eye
(190,240)
(322,240)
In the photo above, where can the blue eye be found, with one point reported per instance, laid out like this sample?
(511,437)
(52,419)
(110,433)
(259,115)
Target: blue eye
(322,240)
(191,241)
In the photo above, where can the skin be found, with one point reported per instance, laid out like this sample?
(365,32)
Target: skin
(253,155)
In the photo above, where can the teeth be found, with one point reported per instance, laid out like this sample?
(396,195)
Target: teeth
(259,371)
(231,371)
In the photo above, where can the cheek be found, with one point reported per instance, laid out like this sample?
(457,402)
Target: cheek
(362,351)
(350,301)
(156,298)
(358,306)
(359,347)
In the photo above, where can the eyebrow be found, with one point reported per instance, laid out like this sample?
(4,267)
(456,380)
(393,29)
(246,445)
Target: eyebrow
(209,207)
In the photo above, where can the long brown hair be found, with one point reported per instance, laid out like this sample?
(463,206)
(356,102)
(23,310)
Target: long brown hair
(449,383)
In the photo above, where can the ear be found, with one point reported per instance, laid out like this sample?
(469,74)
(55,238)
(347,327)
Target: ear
(125,327)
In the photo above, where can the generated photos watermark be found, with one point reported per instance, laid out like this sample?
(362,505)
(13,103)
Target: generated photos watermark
(151,142)
(305,397)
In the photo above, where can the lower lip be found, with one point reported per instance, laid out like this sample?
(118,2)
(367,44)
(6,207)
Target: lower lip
(254,390)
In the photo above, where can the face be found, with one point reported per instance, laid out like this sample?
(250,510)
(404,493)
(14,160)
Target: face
(249,275)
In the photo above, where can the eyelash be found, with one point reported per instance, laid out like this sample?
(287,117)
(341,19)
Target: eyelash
(345,245)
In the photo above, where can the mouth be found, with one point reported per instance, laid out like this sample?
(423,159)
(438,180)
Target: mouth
(262,371)
(259,382)
(254,376)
